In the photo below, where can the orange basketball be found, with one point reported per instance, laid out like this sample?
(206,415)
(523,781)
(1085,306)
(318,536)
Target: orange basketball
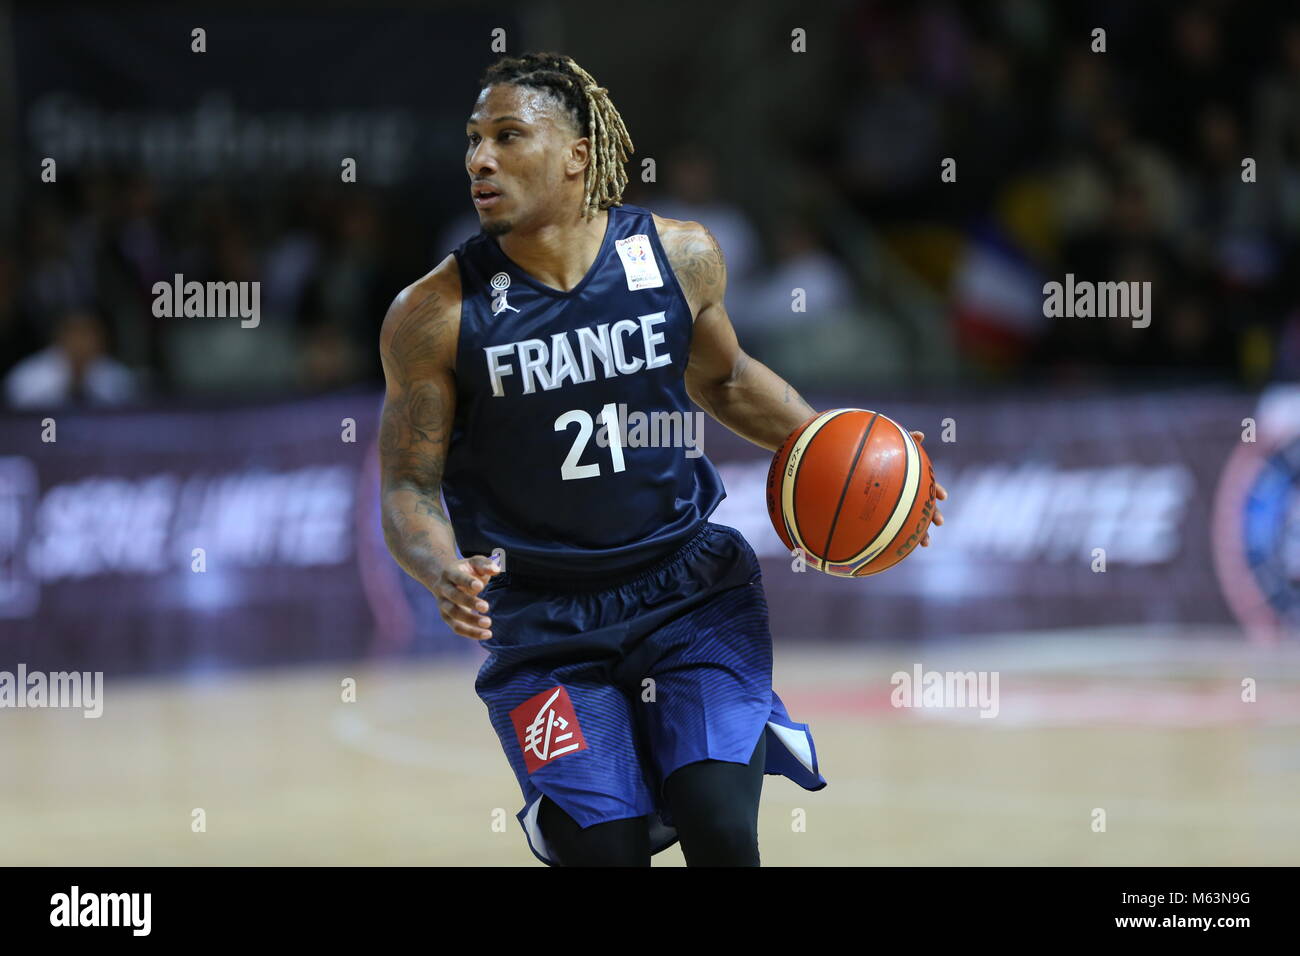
(853,490)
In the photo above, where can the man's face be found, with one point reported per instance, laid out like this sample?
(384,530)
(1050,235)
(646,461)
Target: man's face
(520,147)
(81,338)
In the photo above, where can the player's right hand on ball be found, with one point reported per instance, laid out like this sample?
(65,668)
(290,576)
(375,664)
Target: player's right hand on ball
(457,589)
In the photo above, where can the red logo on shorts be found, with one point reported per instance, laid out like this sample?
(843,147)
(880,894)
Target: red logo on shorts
(547,727)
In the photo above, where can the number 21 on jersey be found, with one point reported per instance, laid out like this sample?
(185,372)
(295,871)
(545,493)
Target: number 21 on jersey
(608,416)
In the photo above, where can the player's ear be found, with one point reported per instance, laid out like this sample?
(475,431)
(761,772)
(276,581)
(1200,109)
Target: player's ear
(577,156)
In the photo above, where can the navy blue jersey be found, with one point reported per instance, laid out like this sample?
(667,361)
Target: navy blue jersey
(567,449)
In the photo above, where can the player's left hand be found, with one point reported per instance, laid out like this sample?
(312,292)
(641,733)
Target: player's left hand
(939,492)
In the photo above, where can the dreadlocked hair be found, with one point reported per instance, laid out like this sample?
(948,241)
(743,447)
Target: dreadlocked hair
(593,112)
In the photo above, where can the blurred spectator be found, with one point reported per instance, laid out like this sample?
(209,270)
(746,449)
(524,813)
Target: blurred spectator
(329,359)
(991,124)
(1279,132)
(75,369)
(1085,191)
(1195,72)
(349,297)
(892,148)
(692,181)
(1087,91)
(58,275)
(803,264)
(1191,338)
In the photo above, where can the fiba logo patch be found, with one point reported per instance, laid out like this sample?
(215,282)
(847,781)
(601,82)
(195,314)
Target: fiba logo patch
(639,265)
(547,727)
(499,284)
(1257,539)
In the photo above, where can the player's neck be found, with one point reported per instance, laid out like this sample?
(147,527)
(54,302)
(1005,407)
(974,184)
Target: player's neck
(558,254)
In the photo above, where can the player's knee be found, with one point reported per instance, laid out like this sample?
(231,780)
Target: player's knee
(616,843)
(729,841)
(719,833)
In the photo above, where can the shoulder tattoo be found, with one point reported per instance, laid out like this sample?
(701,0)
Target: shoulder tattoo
(697,261)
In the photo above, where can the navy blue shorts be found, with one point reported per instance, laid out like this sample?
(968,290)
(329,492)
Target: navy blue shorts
(598,695)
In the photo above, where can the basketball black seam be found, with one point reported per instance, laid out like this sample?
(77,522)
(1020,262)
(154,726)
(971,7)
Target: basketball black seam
(826,551)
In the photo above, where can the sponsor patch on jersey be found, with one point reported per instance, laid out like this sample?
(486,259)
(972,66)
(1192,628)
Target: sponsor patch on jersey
(547,727)
(638,258)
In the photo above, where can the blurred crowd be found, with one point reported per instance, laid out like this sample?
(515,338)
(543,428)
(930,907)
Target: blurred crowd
(77,303)
(1117,165)
(1119,156)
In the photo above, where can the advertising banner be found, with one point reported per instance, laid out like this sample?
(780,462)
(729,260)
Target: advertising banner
(185,539)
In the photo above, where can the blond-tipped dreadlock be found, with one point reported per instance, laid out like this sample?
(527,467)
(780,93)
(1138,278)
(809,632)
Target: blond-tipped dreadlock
(592,111)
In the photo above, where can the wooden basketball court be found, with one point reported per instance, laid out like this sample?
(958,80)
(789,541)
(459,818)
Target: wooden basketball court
(1149,729)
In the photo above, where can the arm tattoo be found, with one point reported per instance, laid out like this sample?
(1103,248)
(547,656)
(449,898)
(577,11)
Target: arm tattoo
(414,430)
(697,261)
(739,370)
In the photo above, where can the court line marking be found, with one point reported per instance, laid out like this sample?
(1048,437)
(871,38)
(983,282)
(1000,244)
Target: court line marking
(355,730)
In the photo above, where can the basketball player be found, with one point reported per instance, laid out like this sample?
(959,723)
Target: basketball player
(630,662)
